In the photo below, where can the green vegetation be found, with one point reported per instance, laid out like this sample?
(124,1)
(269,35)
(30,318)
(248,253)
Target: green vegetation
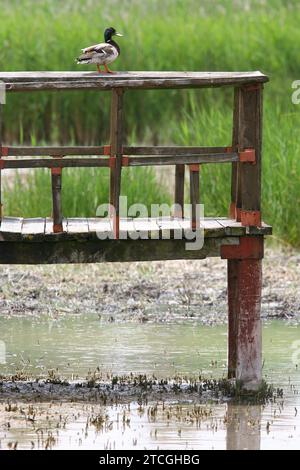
(169,35)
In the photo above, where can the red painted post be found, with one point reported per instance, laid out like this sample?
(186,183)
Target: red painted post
(244,300)
(249,342)
(232,273)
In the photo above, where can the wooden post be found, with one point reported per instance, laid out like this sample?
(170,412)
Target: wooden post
(194,193)
(232,275)
(236,197)
(250,136)
(116,153)
(179,191)
(56,200)
(244,300)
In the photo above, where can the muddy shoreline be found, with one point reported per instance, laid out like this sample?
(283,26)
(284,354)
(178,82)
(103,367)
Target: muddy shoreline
(157,292)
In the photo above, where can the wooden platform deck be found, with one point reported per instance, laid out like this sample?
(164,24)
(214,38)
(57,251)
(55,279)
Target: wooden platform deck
(22,241)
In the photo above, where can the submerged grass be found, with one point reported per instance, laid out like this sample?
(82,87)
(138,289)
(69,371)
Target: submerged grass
(169,35)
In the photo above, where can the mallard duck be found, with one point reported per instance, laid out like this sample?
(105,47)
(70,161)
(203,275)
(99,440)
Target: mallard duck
(103,53)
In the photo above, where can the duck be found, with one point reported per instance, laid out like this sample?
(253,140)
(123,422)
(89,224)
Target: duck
(102,54)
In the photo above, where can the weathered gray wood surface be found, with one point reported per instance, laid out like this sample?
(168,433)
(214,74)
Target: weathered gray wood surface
(34,81)
(25,151)
(39,229)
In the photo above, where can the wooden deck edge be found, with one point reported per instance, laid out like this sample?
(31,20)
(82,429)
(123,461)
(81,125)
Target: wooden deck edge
(108,251)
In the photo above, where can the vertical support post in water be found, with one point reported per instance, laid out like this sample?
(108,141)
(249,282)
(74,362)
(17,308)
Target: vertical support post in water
(179,191)
(116,153)
(232,282)
(244,302)
(56,199)
(194,193)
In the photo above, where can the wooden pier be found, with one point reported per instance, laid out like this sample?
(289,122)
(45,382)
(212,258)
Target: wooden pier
(238,238)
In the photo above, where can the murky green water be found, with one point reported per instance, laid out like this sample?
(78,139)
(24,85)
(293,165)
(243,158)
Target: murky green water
(78,344)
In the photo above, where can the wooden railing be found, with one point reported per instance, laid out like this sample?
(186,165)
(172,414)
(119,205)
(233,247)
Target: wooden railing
(244,152)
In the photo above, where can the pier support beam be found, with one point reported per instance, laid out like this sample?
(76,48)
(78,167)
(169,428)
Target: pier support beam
(244,302)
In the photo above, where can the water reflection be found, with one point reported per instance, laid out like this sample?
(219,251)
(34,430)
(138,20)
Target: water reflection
(243,427)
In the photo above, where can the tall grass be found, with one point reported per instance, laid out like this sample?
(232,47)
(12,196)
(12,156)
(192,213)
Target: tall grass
(168,35)
(83,190)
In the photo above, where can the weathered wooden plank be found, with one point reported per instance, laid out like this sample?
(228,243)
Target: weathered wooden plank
(53,151)
(33,226)
(77,225)
(231,226)
(11,224)
(101,225)
(173,150)
(170,228)
(22,81)
(146,228)
(55,163)
(16,77)
(97,251)
(183,159)
(11,228)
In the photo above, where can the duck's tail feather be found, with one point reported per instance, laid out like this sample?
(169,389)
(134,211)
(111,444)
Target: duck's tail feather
(83,60)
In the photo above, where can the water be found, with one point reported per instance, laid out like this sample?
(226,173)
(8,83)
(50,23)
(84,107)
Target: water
(75,345)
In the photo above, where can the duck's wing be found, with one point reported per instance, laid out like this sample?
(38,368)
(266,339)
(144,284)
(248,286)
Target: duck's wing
(98,48)
(102,50)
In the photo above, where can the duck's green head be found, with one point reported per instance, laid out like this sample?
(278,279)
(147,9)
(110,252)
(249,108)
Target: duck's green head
(109,32)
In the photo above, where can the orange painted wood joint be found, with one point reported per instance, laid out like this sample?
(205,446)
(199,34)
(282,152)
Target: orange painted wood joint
(194,167)
(248,248)
(2,163)
(57,228)
(56,170)
(229,149)
(251,218)
(112,163)
(106,150)
(194,225)
(125,160)
(3,152)
(247,156)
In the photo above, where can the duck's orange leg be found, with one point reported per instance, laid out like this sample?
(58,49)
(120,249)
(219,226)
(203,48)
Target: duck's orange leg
(99,68)
(107,70)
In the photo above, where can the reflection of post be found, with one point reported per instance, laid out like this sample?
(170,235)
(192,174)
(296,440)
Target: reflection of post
(243,427)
